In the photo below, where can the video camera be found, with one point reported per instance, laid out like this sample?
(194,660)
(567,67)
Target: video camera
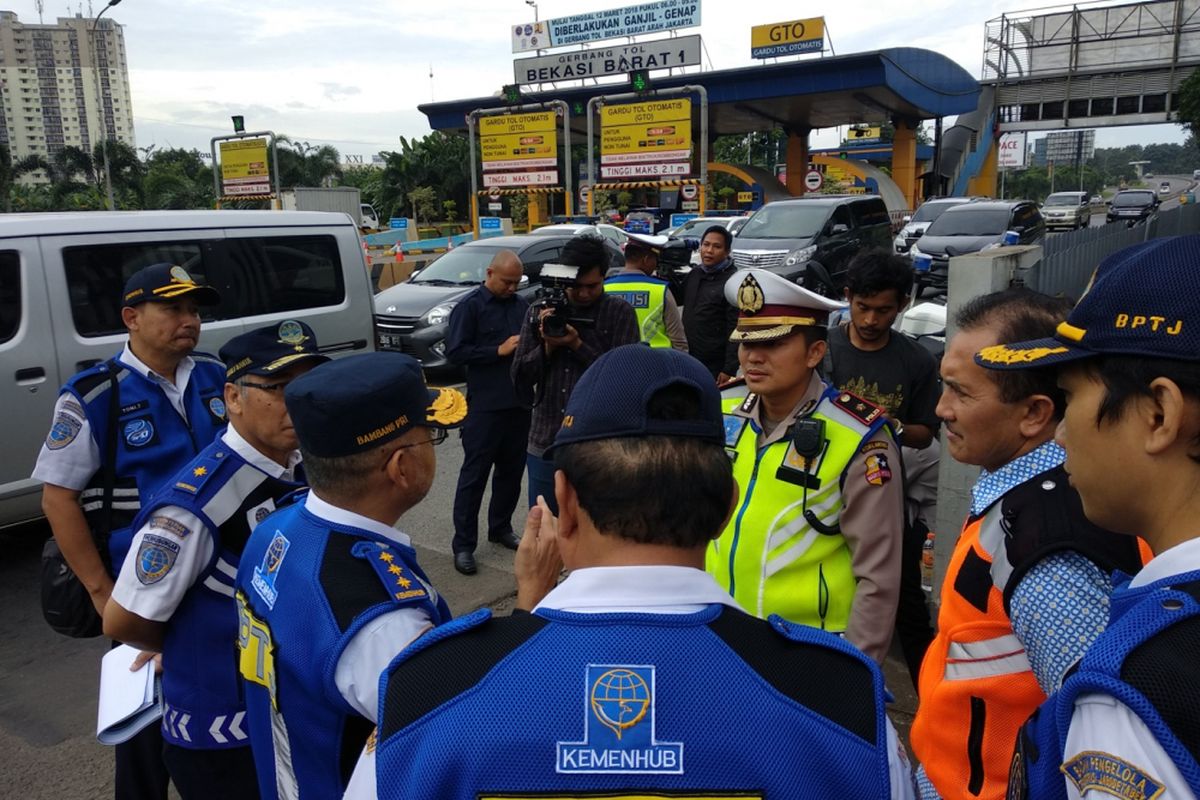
(555,280)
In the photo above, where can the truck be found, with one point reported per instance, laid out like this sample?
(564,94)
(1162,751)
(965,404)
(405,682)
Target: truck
(346,199)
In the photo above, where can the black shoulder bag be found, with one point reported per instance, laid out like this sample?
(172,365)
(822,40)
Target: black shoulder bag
(66,604)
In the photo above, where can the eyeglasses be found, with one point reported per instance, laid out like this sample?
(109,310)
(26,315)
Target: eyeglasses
(266,387)
(436,437)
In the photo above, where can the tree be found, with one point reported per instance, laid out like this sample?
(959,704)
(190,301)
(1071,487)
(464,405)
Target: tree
(1189,105)
(424,203)
(449,210)
(178,179)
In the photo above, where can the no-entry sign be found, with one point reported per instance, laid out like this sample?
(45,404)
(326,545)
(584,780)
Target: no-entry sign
(813,180)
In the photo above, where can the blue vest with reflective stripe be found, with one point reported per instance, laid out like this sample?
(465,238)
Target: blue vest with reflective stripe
(153,441)
(305,587)
(205,708)
(629,704)
(1137,616)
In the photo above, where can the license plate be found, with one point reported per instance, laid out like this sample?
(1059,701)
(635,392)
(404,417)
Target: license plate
(390,341)
(922,263)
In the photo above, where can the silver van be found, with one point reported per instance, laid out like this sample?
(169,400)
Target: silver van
(61,277)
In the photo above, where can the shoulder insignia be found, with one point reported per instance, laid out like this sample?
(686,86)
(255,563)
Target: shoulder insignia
(64,430)
(877,470)
(196,474)
(872,446)
(862,410)
(155,557)
(1108,774)
(401,584)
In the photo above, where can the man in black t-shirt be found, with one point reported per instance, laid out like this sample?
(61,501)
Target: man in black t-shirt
(869,359)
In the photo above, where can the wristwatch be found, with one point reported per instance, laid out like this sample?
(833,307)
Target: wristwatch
(897,429)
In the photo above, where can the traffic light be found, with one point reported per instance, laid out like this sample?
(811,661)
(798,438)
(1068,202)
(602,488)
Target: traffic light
(512,94)
(578,108)
(639,80)
(239,123)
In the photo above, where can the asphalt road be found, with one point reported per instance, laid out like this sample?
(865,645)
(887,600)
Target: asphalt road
(48,748)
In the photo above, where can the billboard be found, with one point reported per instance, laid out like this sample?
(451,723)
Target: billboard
(647,139)
(1011,153)
(519,144)
(788,38)
(617,60)
(245,167)
(612,23)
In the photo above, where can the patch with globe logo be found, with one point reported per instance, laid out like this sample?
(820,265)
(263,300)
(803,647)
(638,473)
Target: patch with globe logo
(619,735)
(155,557)
(266,572)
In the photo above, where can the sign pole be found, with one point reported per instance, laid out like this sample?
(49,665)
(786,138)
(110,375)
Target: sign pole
(474,177)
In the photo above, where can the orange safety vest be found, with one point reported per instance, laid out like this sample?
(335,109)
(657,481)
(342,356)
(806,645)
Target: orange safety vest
(976,685)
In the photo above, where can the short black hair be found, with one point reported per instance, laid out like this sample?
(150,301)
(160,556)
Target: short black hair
(1019,315)
(666,490)
(585,252)
(1126,378)
(877,270)
(725,234)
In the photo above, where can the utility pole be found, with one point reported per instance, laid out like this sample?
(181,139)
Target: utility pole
(100,100)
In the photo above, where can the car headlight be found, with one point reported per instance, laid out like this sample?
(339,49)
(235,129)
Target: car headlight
(801,255)
(914,251)
(438,314)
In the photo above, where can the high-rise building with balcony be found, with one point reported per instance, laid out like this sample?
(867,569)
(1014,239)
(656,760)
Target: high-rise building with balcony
(65,84)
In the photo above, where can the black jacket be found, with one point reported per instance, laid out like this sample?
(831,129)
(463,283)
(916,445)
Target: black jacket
(708,320)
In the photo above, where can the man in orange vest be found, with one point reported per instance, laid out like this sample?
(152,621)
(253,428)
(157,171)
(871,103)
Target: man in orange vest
(1026,591)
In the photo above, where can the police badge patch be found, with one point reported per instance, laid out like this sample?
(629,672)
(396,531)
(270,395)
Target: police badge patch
(155,557)
(63,431)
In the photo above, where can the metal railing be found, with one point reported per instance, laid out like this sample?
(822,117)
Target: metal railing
(1069,259)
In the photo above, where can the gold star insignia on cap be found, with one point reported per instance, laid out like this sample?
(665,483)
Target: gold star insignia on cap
(200,471)
(750,296)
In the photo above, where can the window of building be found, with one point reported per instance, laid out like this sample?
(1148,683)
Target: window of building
(10,294)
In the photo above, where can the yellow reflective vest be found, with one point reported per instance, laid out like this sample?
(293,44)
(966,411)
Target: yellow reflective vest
(648,297)
(769,557)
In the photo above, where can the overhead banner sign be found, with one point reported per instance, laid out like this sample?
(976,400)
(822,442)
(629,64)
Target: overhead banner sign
(519,144)
(788,38)
(244,167)
(1012,151)
(612,23)
(868,135)
(646,140)
(616,60)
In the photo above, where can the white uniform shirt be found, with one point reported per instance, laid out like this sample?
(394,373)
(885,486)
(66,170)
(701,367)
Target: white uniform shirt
(158,600)
(376,643)
(72,465)
(1102,724)
(645,590)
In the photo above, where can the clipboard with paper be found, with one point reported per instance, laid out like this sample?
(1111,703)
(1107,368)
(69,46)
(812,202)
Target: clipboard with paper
(129,701)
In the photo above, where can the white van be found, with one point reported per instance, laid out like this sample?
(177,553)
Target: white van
(61,277)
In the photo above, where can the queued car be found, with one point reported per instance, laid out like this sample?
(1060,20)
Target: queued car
(786,235)
(603,229)
(915,226)
(411,317)
(1132,206)
(970,228)
(694,229)
(1071,210)
(1164,187)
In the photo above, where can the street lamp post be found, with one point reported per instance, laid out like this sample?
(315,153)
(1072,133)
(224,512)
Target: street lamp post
(100,100)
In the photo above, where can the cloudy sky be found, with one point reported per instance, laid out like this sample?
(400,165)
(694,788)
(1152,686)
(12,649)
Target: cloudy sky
(352,74)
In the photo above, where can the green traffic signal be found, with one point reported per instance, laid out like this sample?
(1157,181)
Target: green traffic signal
(512,94)
(239,123)
(639,80)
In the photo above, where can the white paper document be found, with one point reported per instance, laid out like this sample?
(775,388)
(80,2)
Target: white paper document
(129,701)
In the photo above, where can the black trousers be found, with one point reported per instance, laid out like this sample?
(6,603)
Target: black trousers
(212,774)
(493,442)
(913,626)
(141,773)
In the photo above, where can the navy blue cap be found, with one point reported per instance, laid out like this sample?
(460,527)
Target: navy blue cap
(163,283)
(354,404)
(1141,302)
(265,351)
(610,399)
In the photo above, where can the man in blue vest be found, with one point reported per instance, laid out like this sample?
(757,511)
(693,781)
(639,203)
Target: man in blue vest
(121,429)
(174,594)
(638,675)
(328,590)
(657,312)
(1123,724)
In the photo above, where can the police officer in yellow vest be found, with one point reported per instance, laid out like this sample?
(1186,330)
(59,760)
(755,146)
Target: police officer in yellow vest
(815,535)
(659,321)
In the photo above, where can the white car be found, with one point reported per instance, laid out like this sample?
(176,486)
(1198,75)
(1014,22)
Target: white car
(603,230)
(694,228)
(1164,187)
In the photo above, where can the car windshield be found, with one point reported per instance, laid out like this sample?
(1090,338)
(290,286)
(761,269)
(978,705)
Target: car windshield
(463,266)
(970,222)
(695,227)
(786,221)
(928,212)
(1133,199)
(1063,199)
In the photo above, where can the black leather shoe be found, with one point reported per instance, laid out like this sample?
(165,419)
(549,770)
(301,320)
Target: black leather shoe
(509,540)
(465,563)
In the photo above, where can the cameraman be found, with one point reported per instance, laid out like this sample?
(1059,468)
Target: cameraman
(547,367)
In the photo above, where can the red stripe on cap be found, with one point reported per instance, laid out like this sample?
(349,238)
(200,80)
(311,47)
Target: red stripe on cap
(784,311)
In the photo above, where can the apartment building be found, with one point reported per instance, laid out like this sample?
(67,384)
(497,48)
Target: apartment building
(62,84)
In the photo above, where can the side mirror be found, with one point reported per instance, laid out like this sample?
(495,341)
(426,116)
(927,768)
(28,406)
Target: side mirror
(906,219)
(838,228)
(523,282)
(415,273)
